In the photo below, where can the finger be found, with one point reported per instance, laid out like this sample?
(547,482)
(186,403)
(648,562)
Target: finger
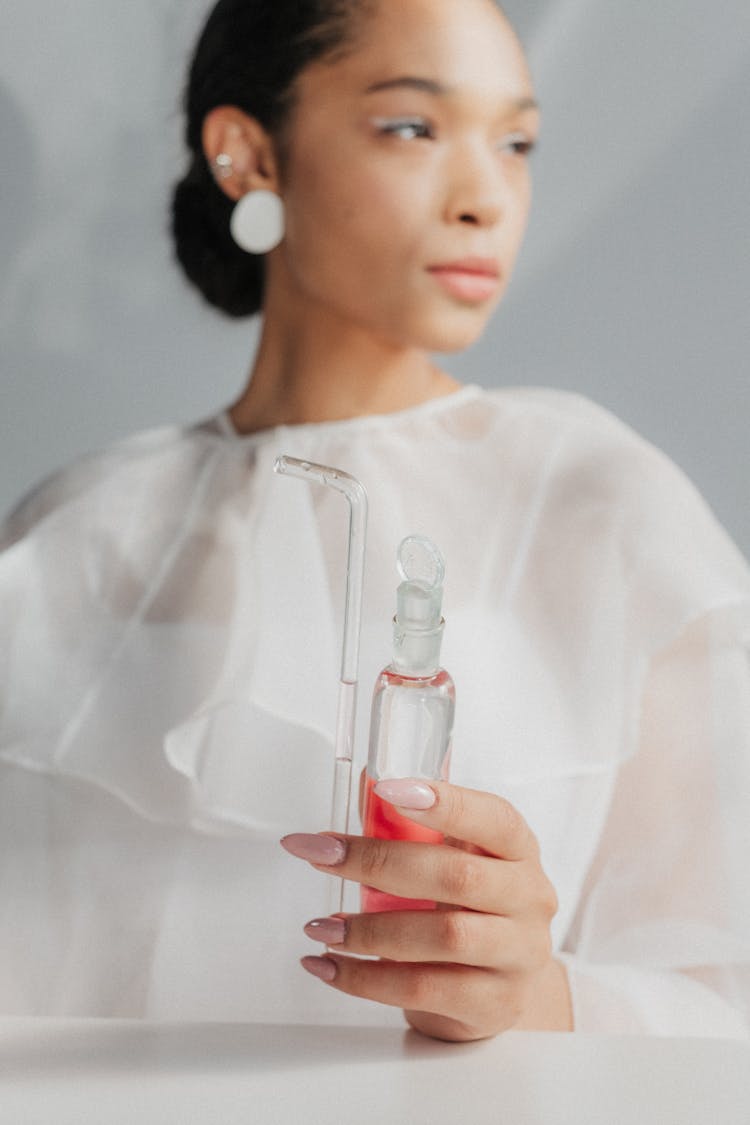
(457,936)
(483,819)
(478,997)
(413,870)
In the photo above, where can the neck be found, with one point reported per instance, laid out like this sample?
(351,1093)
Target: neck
(312,367)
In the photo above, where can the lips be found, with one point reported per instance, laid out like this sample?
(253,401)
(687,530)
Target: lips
(486,267)
(469,279)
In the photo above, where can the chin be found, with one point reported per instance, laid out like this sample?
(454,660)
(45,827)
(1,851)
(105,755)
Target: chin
(442,329)
(455,334)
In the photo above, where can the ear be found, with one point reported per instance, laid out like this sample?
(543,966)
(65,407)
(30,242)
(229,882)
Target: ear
(228,129)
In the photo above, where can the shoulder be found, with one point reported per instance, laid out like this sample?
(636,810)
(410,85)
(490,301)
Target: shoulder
(612,500)
(548,422)
(127,468)
(594,456)
(567,414)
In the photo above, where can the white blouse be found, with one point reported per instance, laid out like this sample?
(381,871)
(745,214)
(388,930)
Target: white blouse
(171,615)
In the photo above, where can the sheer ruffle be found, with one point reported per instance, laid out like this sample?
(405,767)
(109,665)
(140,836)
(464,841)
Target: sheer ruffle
(172,610)
(174,624)
(167,614)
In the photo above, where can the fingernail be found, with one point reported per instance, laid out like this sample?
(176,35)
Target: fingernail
(331,931)
(407,793)
(325,850)
(321,967)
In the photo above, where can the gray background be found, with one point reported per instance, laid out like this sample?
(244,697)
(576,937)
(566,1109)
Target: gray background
(632,287)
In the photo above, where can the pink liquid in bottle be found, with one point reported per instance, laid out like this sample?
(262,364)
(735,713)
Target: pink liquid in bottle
(381,820)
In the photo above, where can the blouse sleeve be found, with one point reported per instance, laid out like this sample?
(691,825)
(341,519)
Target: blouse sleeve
(661,942)
(660,937)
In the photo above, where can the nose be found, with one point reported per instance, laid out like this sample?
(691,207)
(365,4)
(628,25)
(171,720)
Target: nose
(478,189)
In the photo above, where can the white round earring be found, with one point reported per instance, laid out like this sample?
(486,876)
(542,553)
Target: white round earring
(257,223)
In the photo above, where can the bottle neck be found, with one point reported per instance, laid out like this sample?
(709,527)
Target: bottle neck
(416,652)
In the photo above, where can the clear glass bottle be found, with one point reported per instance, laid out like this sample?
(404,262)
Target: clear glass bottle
(412,709)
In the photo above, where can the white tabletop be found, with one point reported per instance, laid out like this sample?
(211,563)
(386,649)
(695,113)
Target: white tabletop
(66,1072)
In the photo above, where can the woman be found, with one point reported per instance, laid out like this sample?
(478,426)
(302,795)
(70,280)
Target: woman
(172,672)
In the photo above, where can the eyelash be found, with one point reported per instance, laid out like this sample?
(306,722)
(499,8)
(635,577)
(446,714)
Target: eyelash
(394,126)
(522,146)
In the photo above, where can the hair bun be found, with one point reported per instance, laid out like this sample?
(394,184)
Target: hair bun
(228,278)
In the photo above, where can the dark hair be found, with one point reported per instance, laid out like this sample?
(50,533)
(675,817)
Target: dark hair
(249,55)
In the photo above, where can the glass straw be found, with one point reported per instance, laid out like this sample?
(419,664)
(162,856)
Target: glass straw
(356,496)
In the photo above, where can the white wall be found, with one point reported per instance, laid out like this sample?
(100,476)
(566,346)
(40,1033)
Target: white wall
(633,287)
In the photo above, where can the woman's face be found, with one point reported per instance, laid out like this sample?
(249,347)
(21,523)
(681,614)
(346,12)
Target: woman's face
(407,155)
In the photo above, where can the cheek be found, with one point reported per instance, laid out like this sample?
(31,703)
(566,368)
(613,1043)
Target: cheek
(523,202)
(358,214)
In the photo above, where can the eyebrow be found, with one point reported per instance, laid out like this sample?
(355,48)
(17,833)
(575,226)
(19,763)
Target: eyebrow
(438,89)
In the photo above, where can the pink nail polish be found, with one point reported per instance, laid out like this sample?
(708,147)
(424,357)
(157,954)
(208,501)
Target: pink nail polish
(321,967)
(406,793)
(328,851)
(331,931)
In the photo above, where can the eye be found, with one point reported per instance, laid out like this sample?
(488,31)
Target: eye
(519,143)
(408,128)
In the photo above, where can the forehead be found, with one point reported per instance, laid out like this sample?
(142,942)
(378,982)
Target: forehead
(467,45)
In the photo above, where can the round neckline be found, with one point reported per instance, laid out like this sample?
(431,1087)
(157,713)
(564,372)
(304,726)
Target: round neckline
(358,422)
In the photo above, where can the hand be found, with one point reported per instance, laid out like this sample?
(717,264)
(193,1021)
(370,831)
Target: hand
(468,970)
